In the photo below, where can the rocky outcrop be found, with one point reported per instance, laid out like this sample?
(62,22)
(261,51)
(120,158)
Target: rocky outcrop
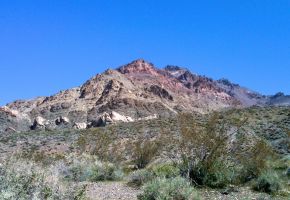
(110,118)
(161,92)
(41,123)
(116,117)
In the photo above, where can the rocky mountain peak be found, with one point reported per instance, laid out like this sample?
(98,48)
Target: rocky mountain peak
(138,66)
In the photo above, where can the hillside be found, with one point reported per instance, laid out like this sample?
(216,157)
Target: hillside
(119,144)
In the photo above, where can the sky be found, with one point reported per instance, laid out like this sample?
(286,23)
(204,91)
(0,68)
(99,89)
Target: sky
(51,45)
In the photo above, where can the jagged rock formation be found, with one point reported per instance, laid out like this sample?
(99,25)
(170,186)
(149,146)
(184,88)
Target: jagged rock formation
(136,91)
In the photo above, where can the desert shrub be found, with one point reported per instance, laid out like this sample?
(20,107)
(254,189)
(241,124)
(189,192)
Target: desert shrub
(254,158)
(168,189)
(98,142)
(268,182)
(140,177)
(22,179)
(89,168)
(105,172)
(204,149)
(218,176)
(218,150)
(166,170)
(102,143)
(143,151)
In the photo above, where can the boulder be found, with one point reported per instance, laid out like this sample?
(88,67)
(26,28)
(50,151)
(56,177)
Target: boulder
(110,118)
(62,120)
(39,123)
(118,117)
(80,126)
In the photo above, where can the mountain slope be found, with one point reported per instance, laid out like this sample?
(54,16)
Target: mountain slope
(136,91)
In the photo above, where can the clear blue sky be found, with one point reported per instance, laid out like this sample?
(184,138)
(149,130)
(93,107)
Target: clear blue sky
(51,45)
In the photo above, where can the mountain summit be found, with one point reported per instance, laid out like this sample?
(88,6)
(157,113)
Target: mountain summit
(138,66)
(135,91)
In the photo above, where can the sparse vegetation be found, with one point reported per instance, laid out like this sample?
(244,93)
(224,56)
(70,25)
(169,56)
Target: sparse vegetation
(210,151)
(89,168)
(21,179)
(171,189)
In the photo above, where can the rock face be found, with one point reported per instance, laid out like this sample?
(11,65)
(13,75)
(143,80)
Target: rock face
(134,91)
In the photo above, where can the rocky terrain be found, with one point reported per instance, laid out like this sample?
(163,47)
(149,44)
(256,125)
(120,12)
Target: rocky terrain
(136,91)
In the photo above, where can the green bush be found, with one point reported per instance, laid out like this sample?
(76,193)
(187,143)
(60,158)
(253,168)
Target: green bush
(168,189)
(140,177)
(105,172)
(255,159)
(217,176)
(88,168)
(166,171)
(268,182)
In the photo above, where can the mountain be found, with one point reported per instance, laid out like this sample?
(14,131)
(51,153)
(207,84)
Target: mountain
(136,91)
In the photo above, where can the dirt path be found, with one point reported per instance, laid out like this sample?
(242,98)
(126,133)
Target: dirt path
(111,191)
(119,191)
